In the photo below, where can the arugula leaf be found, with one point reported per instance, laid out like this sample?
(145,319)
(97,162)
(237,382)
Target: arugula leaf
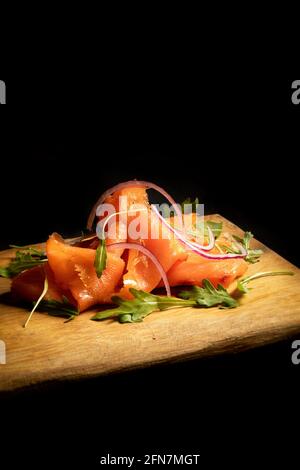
(242,285)
(144,303)
(253,255)
(189,201)
(100,258)
(216,227)
(201,229)
(245,241)
(24,259)
(228,249)
(208,295)
(59,309)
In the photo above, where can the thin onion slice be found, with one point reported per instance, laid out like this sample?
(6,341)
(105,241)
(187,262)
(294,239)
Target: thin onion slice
(145,251)
(133,184)
(200,250)
(181,237)
(243,253)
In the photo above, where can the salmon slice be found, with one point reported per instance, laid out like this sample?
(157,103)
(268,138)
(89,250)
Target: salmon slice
(73,269)
(196,268)
(119,234)
(141,272)
(133,195)
(123,200)
(29,285)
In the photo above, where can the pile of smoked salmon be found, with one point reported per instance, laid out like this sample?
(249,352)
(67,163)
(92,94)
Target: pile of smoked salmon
(70,268)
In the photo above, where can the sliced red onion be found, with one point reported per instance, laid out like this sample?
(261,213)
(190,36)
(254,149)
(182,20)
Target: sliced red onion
(181,237)
(145,251)
(199,249)
(133,184)
(243,253)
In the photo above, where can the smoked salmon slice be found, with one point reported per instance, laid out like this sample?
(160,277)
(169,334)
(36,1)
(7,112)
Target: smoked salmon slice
(29,285)
(195,269)
(73,269)
(71,273)
(140,272)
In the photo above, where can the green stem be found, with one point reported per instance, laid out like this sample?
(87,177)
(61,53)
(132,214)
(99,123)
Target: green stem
(168,303)
(266,274)
(38,301)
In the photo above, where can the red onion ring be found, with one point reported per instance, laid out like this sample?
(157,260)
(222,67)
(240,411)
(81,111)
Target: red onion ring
(207,255)
(178,234)
(145,251)
(198,248)
(132,184)
(243,254)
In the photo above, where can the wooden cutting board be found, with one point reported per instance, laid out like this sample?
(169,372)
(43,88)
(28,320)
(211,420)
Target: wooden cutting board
(49,349)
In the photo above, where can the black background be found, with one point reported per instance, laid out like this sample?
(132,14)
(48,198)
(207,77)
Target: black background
(232,141)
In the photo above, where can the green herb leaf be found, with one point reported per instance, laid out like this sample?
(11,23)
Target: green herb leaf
(59,309)
(228,249)
(139,307)
(245,241)
(144,303)
(24,259)
(216,227)
(242,285)
(209,296)
(253,255)
(192,203)
(100,258)
(200,229)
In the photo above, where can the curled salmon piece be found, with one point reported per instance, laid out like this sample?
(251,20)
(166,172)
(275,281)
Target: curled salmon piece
(71,274)
(195,269)
(29,285)
(73,269)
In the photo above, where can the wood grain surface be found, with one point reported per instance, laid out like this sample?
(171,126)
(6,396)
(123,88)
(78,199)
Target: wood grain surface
(49,349)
